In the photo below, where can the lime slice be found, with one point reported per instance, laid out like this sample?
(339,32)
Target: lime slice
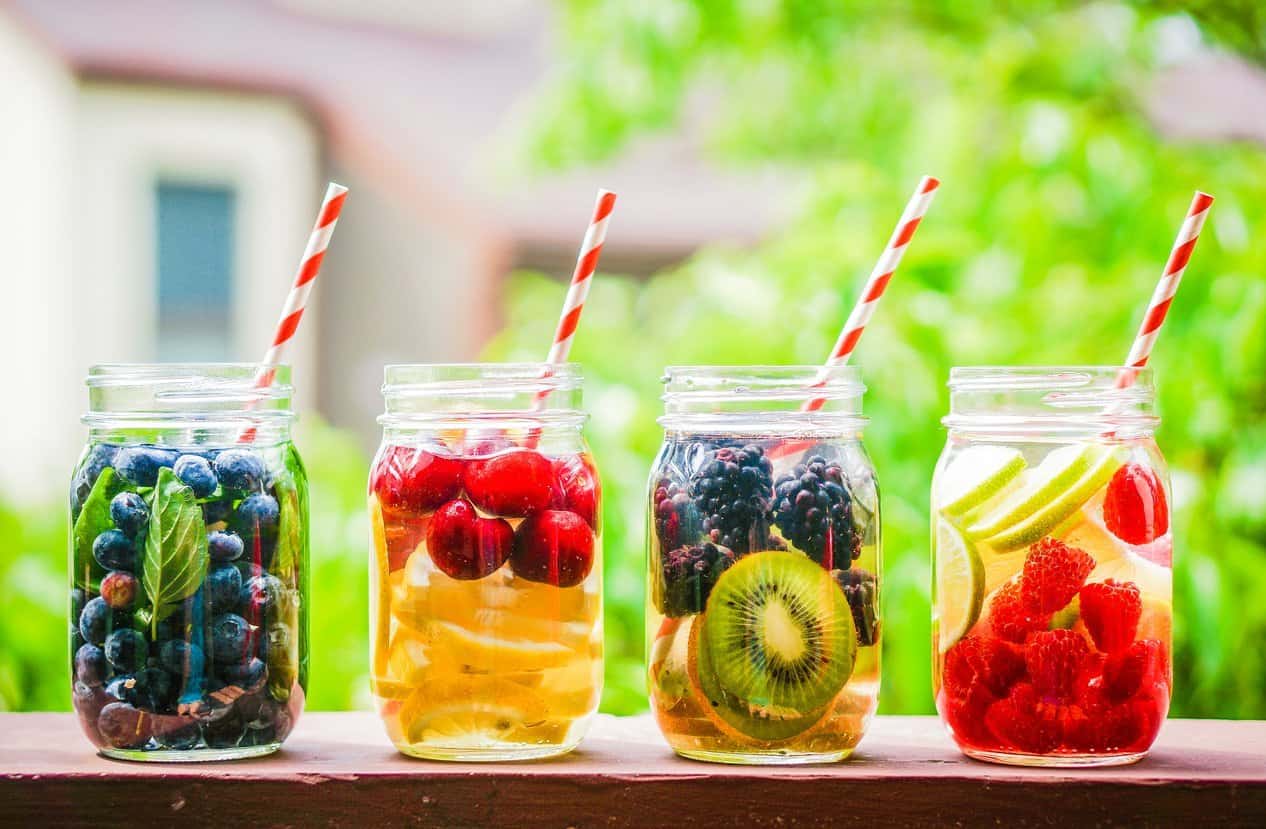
(960,584)
(1060,506)
(976,475)
(1057,472)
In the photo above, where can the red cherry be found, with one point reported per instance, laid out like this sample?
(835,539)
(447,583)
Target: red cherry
(577,487)
(465,546)
(1134,506)
(415,478)
(512,484)
(553,547)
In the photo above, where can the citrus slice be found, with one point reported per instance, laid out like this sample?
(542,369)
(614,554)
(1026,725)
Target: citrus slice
(1058,471)
(1060,506)
(977,474)
(382,571)
(460,711)
(483,651)
(408,657)
(960,584)
(1155,581)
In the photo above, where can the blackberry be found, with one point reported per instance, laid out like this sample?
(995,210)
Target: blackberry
(687,575)
(813,510)
(734,491)
(863,598)
(676,518)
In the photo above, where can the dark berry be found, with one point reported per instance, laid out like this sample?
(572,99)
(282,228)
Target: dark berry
(130,689)
(256,519)
(158,684)
(225,546)
(688,575)
(224,584)
(195,472)
(181,658)
(250,676)
(862,591)
(97,620)
(240,469)
(123,726)
(217,512)
(180,737)
(77,600)
(119,589)
(261,595)
(814,511)
(90,665)
(677,520)
(126,650)
(114,551)
(129,513)
(99,457)
(734,491)
(230,638)
(139,465)
(224,732)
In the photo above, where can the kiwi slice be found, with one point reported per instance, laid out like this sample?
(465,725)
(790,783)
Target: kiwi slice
(777,642)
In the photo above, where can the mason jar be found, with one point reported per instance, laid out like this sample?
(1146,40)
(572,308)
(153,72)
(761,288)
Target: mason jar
(1052,557)
(486,577)
(188,560)
(763,617)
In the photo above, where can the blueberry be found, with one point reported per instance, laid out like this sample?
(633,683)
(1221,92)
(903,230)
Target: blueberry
(114,551)
(97,620)
(140,464)
(225,546)
(181,658)
(130,689)
(99,457)
(230,638)
(256,519)
(240,469)
(77,599)
(195,472)
(261,595)
(249,676)
(126,650)
(122,726)
(90,665)
(224,583)
(129,513)
(216,512)
(224,732)
(159,686)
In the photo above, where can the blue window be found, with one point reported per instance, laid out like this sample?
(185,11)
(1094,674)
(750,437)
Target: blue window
(196,247)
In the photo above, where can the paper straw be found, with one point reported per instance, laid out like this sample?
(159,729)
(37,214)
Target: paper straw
(1163,296)
(297,299)
(880,275)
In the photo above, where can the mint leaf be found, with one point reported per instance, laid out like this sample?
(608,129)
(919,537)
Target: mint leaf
(175,561)
(93,520)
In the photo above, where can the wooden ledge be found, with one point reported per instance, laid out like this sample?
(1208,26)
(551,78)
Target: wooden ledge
(338,769)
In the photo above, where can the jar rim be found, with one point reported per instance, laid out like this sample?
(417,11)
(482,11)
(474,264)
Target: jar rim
(1003,377)
(154,395)
(751,399)
(508,394)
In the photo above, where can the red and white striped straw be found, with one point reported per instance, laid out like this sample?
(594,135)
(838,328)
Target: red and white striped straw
(880,275)
(1163,296)
(586,264)
(297,299)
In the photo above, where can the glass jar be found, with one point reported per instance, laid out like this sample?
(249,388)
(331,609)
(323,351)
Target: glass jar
(188,563)
(486,581)
(1052,557)
(763,622)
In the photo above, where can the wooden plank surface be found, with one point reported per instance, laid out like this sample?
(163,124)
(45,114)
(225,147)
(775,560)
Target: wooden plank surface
(338,769)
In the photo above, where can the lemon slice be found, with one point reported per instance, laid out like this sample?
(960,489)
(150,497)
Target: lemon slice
(471,712)
(1155,581)
(1061,506)
(491,653)
(976,475)
(960,584)
(1057,472)
(382,571)
(408,657)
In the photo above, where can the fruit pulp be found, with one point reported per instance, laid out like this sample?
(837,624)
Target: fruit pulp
(486,612)
(763,627)
(1052,600)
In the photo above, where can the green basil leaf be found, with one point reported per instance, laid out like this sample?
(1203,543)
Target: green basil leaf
(176,558)
(93,520)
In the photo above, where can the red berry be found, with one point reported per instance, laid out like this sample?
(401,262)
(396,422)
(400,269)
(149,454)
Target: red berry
(119,589)
(1053,573)
(1125,672)
(1010,616)
(553,547)
(1111,611)
(511,484)
(1054,660)
(465,546)
(1134,506)
(577,487)
(1022,721)
(965,714)
(415,479)
(1101,725)
(992,662)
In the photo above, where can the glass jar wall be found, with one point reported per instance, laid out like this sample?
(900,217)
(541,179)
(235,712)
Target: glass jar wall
(1052,558)
(188,559)
(763,623)
(486,582)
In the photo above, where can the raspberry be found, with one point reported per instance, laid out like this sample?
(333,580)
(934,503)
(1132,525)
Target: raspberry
(1105,726)
(1125,672)
(966,714)
(1054,659)
(1053,573)
(1023,721)
(1111,611)
(978,659)
(1009,615)
(1134,506)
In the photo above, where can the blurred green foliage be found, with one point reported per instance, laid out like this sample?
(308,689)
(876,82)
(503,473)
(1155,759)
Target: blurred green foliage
(1059,205)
